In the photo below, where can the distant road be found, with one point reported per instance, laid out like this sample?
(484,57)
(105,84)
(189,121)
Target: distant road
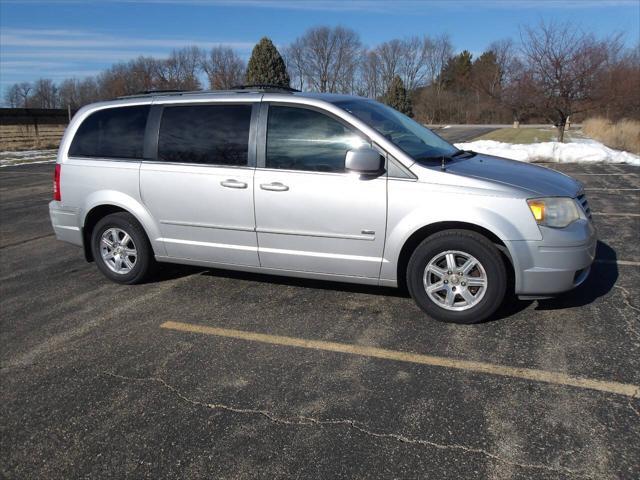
(463,133)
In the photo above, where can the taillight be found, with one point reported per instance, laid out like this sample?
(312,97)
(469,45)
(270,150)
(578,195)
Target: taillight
(57,194)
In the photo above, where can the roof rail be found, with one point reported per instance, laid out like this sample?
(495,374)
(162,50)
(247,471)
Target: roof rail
(264,88)
(267,87)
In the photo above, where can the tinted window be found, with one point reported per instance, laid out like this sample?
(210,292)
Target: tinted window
(212,134)
(303,139)
(112,133)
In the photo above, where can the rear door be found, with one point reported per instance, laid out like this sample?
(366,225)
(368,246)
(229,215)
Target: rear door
(199,188)
(311,214)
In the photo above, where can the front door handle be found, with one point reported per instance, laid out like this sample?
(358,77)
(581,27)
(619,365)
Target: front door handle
(275,187)
(233,183)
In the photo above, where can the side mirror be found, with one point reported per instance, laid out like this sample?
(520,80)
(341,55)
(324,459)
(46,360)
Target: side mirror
(365,161)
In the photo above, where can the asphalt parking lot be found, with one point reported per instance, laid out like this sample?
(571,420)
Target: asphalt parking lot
(206,373)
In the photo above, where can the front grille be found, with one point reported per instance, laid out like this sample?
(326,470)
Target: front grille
(582,198)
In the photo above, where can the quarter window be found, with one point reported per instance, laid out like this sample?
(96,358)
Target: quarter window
(304,139)
(112,133)
(205,134)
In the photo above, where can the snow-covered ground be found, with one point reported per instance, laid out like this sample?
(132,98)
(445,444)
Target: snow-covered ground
(26,157)
(583,150)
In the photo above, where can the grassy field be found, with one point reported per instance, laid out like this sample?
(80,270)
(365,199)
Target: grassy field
(522,135)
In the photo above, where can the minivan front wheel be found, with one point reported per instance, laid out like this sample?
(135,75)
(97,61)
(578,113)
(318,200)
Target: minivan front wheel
(121,249)
(457,276)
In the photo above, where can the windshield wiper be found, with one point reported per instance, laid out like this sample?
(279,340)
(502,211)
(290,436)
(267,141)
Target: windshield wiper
(459,153)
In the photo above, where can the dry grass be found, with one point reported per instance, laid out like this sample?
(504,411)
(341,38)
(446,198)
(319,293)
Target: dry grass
(622,135)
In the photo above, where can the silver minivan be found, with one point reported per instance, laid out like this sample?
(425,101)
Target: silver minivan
(320,186)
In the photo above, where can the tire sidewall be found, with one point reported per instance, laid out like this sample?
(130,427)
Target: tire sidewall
(473,244)
(127,223)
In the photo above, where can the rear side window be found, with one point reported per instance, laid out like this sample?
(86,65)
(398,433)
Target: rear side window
(205,134)
(112,133)
(303,139)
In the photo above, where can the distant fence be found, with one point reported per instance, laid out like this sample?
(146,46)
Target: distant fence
(28,128)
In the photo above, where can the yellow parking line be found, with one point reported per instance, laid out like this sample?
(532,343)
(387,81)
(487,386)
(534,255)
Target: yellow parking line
(468,365)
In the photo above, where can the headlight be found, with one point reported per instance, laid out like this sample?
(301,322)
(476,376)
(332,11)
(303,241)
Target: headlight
(556,212)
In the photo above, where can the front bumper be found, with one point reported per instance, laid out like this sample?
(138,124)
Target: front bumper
(557,263)
(65,222)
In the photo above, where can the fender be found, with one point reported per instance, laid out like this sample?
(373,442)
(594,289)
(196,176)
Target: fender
(498,223)
(131,205)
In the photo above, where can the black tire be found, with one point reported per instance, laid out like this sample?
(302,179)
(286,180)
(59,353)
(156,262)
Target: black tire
(463,241)
(144,260)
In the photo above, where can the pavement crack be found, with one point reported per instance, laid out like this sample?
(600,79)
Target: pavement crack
(21,242)
(631,323)
(311,421)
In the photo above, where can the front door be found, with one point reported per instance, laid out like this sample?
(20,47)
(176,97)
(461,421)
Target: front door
(200,189)
(312,215)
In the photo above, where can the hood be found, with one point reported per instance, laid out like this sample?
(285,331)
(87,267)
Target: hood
(534,178)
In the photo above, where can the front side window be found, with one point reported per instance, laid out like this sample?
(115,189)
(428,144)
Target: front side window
(205,134)
(303,139)
(417,141)
(112,133)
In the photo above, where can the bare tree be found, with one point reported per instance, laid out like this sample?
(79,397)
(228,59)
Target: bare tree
(370,77)
(294,60)
(389,54)
(180,70)
(327,58)
(24,91)
(45,94)
(224,68)
(566,65)
(12,96)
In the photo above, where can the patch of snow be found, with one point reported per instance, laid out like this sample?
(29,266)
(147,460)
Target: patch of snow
(27,157)
(583,151)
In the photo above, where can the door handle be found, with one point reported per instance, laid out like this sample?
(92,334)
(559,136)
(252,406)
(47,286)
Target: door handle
(232,183)
(275,187)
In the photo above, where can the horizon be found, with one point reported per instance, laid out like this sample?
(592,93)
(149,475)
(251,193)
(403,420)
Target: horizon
(55,39)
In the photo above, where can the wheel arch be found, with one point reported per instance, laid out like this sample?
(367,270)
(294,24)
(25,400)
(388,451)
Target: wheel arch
(106,204)
(426,231)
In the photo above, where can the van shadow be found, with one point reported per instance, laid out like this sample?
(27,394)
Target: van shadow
(601,279)
(174,271)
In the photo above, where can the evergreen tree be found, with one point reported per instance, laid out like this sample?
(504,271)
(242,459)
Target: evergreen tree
(396,97)
(456,74)
(266,66)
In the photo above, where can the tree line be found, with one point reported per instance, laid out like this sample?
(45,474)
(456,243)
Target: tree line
(555,71)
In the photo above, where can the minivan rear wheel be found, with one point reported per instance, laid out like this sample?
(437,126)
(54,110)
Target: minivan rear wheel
(121,249)
(457,276)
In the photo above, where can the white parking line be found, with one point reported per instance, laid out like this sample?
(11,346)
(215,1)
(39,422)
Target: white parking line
(612,189)
(616,214)
(619,262)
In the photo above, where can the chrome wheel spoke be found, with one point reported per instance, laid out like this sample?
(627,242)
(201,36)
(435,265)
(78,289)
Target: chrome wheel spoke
(475,282)
(128,263)
(468,266)
(130,252)
(451,261)
(450,298)
(467,295)
(437,271)
(125,239)
(436,287)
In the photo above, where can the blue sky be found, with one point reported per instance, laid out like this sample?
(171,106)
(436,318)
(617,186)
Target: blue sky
(76,38)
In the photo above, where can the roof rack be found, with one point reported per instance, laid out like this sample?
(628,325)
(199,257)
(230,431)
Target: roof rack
(267,87)
(263,88)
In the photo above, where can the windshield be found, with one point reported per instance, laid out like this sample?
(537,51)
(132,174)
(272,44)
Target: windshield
(415,140)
